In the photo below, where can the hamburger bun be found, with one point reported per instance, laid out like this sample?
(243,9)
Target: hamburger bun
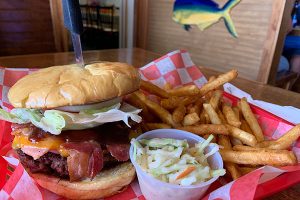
(105,184)
(70,85)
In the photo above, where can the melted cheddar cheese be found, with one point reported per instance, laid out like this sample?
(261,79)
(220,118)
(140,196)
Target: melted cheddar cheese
(50,143)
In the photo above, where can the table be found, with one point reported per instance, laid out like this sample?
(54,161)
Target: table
(139,57)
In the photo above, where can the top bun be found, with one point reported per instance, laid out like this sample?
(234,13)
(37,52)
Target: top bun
(70,85)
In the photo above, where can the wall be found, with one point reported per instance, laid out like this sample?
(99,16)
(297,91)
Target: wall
(215,47)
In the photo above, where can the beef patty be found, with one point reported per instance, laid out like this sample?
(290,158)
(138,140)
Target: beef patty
(49,163)
(56,165)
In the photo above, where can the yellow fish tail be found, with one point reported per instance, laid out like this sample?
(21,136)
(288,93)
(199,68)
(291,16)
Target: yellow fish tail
(229,24)
(226,15)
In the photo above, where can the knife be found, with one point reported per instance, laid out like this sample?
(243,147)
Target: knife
(73,22)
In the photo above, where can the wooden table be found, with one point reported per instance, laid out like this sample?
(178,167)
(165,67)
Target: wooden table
(140,57)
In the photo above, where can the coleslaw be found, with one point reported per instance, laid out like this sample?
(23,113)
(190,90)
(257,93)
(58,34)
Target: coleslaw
(174,161)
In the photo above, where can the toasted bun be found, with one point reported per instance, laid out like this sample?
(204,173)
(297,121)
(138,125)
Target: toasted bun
(105,184)
(69,85)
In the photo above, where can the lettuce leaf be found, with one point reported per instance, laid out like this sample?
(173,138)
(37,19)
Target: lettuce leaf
(6,116)
(55,121)
(93,111)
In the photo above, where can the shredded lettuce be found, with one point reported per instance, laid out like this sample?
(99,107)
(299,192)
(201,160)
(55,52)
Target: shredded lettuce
(55,121)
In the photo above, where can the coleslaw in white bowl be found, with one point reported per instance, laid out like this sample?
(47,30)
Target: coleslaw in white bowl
(175,164)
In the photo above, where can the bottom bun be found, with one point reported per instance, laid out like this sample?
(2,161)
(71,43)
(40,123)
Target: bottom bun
(106,183)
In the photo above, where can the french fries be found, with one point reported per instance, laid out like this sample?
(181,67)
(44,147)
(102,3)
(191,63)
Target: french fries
(220,80)
(213,116)
(259,157)
(236,112)
(174,101)
(190,119)
(263,144)
(252,121)
(202,118)
(231,167)
(211,78)
(163,114)
(171,102)
(245,148)
(235,141)
(209,94)
(286,140)
(153,89)
(203,129)
(196,108)
(189,90)
(243,136)
(204,112)
(221,117)
(246,127)
(230,116)
(167,87)
(179,114)
(215,99)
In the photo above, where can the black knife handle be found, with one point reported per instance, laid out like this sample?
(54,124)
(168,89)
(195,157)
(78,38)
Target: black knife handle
(72,16)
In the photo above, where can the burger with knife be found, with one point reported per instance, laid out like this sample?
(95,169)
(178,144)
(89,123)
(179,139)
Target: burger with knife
(71,127)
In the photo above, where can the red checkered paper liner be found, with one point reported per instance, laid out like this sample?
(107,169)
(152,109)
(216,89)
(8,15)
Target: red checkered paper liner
(8,77)
(177,69)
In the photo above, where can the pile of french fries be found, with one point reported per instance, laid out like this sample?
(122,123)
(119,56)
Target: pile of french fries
(203,112)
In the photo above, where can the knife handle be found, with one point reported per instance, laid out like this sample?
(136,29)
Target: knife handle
(72,16)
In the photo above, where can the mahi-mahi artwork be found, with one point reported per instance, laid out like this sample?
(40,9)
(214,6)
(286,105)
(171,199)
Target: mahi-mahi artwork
(203,13)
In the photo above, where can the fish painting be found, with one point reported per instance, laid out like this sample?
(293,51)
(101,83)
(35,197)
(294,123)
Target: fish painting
(203,13)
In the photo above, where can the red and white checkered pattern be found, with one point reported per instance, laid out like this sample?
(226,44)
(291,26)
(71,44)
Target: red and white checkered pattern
(8,77)
(177,69)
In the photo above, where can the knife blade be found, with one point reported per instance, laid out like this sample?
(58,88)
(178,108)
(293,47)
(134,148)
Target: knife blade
(73,22)
(77,49)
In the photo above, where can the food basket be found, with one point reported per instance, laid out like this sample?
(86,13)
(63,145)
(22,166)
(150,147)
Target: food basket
(177,69)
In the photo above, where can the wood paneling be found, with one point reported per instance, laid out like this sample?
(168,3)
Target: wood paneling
(142,27)
(25,27)
(215,47)
(23,5)
(61,37)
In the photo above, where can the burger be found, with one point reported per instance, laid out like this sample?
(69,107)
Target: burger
(71,127)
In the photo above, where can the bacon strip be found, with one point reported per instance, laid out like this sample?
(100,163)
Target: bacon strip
(85,159)
(119,151)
